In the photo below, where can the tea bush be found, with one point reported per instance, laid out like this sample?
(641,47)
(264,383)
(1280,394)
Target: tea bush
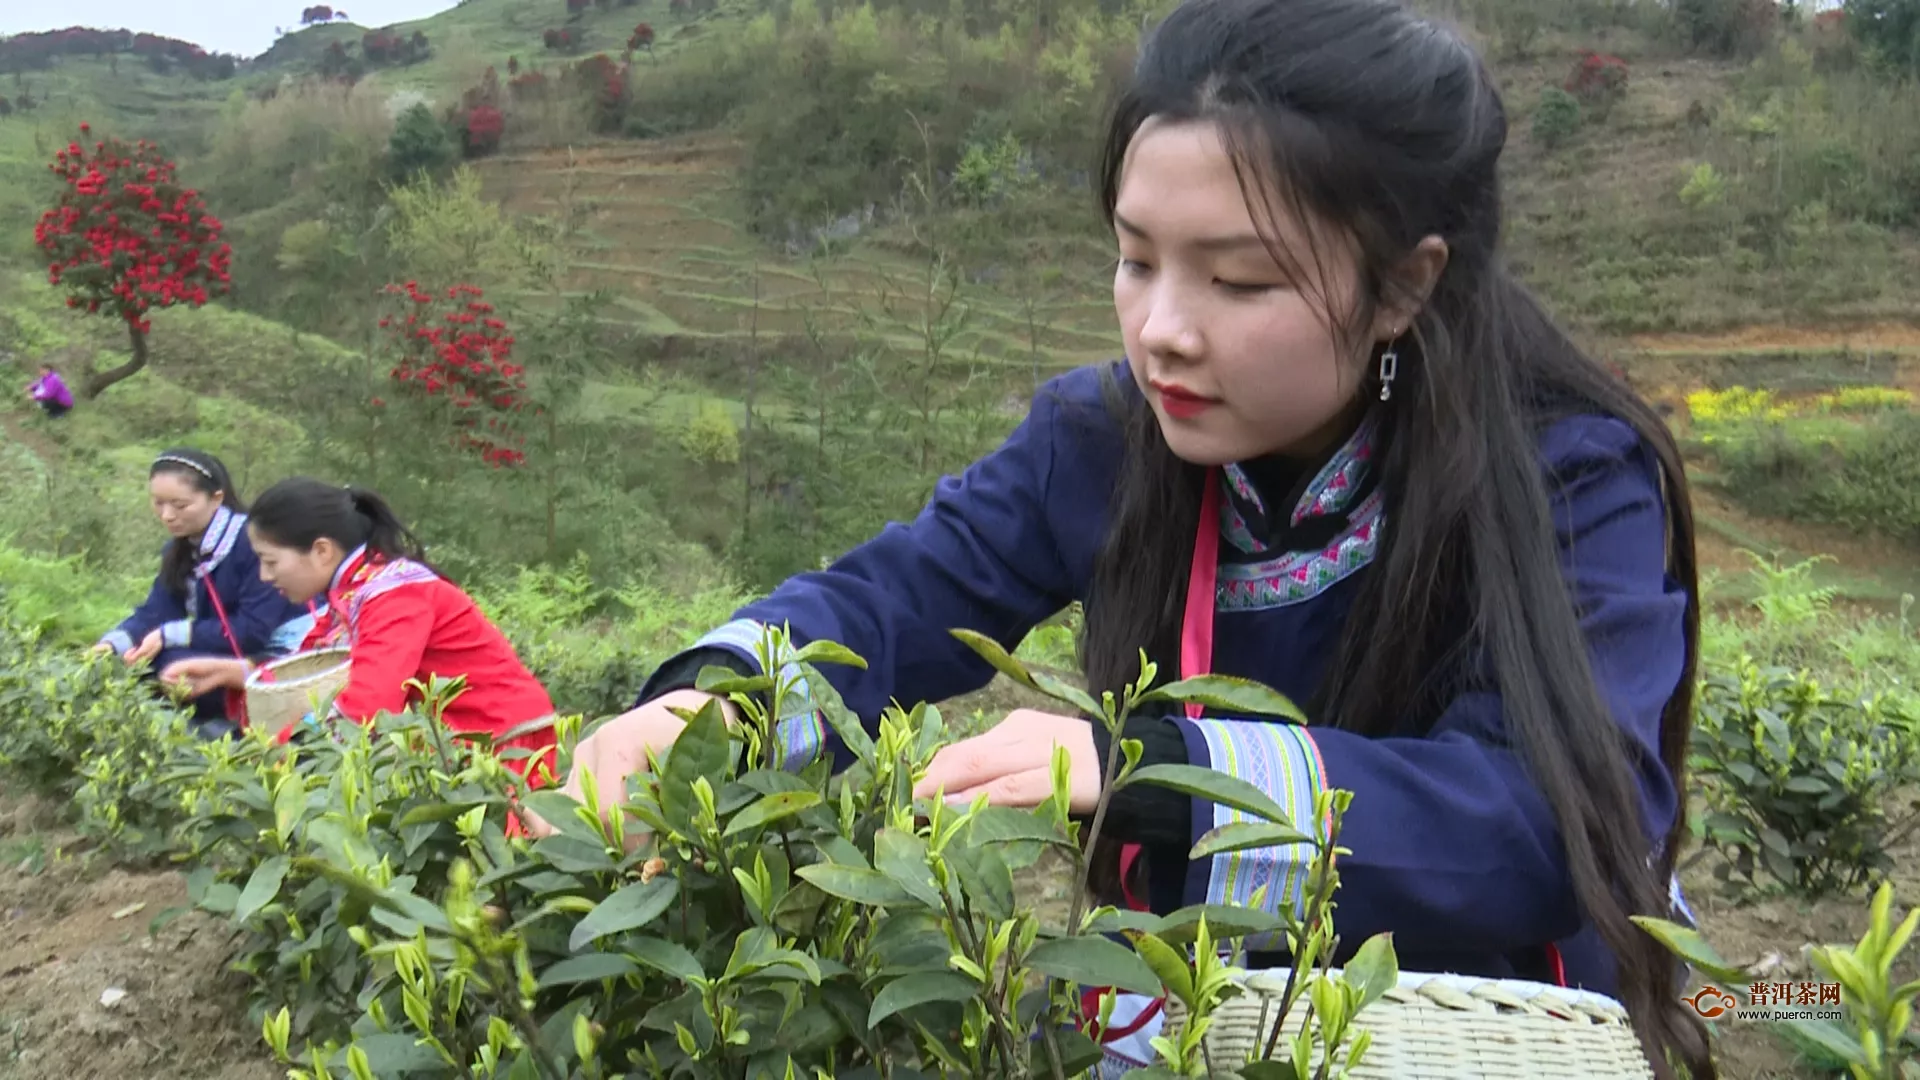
(776,923)
(1802,783)
(1850,458)
(81,729)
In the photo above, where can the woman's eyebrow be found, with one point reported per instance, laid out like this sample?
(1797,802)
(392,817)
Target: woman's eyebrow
(1209,243)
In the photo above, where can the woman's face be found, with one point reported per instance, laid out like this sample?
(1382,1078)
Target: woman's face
(299,575)
(1237,359)
(184,509)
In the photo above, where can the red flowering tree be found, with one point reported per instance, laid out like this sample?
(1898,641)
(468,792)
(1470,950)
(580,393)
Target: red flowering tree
(125,237)
(1597,79)
(451,346)
(485,124)
(604,84)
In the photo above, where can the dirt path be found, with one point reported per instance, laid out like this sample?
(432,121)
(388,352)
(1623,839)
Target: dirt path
(86,990)
(1875,565)
(1878,337)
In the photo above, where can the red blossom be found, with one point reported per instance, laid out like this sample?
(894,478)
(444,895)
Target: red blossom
(448,353)
(107,243)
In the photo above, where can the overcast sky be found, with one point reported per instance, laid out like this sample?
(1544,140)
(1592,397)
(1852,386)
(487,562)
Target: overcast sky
(243,27)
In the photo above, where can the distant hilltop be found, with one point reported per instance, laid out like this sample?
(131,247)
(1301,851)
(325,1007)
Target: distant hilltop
(39,50)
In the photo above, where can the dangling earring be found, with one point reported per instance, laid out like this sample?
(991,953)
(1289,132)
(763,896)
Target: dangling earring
(1389,367)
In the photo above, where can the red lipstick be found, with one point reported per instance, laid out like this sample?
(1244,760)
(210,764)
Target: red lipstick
(1181,403)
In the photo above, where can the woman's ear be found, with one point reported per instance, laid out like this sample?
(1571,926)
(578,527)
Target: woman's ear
(325,552)
(1409,286)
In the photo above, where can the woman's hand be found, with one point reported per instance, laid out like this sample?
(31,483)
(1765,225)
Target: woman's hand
(146,650)
(619,749)
(203,674)
(1013,763)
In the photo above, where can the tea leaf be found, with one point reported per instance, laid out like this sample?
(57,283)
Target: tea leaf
(1213,786)
(902,857)
(1224,923)
(1374,969)
(701,751)
(1168,966)
(435,812)
(1241,835)
(1227,694)
(1002,661)
(634,906)
(261,888)
(772,808)
(1094,961)
(902,994)
(853,883)
(666,957)
(986,878)
(827,652)
(590,967)
(844,723)
(1686,943)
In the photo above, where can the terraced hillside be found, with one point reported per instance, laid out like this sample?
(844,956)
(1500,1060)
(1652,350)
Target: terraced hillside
(659,229)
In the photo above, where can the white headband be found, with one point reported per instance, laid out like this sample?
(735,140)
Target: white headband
(164,459)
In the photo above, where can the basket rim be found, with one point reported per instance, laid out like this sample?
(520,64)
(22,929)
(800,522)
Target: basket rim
(1275,980)
(253,683)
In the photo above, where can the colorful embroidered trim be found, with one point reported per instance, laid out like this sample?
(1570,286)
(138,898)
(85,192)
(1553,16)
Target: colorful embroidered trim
(1302,575)
(1283,761)
(1334,485)
(800,734)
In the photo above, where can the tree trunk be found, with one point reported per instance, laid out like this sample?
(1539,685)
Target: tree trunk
(98,381)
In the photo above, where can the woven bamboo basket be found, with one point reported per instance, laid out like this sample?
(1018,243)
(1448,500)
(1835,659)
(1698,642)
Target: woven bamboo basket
(1451,1027)
(300,684)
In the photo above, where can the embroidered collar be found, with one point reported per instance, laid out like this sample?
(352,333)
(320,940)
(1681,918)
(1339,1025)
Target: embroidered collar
(360,577)
(224,530)
(1332,493)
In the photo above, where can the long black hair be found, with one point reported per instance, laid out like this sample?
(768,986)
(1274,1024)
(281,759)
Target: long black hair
(297,512)
(208,475)
(1366,117)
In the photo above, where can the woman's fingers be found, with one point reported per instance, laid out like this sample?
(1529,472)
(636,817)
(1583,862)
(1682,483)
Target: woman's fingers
(1025,789)
(968,764)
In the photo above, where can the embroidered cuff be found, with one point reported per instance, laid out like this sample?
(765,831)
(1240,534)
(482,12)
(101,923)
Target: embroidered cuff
(119,639)
(800,734)
(176,634)
(1282,760)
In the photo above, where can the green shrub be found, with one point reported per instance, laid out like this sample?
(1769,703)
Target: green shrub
(1557,119)
(1863,476)
(81,728)
(1802,782)
(60,599)
(778,923)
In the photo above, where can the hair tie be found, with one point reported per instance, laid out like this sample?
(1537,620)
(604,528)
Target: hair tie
(175,459)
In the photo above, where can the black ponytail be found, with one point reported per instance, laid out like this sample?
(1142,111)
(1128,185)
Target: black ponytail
(298,512)
(208,475)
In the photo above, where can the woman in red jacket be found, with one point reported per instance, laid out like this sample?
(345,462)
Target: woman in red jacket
(401,619)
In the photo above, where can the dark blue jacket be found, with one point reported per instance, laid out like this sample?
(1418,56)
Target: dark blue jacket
(190,625)
(1454,848)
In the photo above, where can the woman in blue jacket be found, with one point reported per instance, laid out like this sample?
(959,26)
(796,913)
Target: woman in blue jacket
(209,599)
(1347,455)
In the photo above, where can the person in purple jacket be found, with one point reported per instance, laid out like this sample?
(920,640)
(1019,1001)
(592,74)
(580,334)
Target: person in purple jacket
(50,392)
(209,599)
(1348,455)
